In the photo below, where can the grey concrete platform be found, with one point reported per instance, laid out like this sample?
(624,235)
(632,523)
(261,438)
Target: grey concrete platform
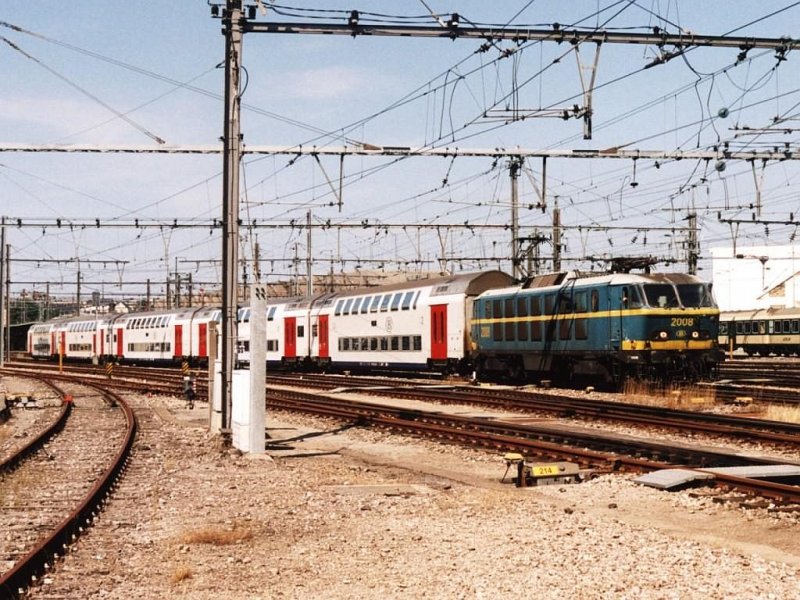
(666,479)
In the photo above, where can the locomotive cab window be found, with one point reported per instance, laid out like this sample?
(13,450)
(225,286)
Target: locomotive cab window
(660,295)
(696,295)
(595,301)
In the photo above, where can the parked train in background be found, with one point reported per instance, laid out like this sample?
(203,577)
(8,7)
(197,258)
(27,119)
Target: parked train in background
(602,326)
(761,332)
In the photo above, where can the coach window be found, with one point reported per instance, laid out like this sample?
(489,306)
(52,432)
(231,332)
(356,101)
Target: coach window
(356,306)
(339,305)
(580,302)
(536,325)
(417,340)
(762,327)
(407,300)
(347,305)
(787,327)
(406,342)
(747,328)
(416,299)
(777,327)
(564,327)
(581,329)
(271,315)
(396,301)
(795,326)
(385,302)
(384,343)
(511,326)
(549,302)
(376,300)
(394,342)
(497,326)
(364,344)
(522,326)
(373,343)
(301,331)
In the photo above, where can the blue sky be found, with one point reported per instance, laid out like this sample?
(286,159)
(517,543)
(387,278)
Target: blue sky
(157,64)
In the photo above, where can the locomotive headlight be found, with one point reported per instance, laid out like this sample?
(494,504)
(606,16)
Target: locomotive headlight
(695,335)
(662,335)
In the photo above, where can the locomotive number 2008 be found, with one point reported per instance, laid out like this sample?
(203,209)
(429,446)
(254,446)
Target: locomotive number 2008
(681,322)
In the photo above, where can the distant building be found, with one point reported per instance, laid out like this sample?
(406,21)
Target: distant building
(756,277)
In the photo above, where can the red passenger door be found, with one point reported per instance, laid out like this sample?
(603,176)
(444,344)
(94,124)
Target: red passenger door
(323,337)
(178,341)
(120,345)
(290,337)
(439,331)
(63,350)
(202,341)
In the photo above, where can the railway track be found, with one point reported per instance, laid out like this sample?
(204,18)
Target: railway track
(592,450)
(566,405)
(53,487)
(602,451)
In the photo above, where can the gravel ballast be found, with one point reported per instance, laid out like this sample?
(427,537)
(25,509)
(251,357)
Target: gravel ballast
(362,514)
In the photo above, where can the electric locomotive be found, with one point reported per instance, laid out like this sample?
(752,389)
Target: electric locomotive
(598,327)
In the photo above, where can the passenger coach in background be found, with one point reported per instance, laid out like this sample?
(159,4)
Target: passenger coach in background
(598,328)
(146,337)
(761,332)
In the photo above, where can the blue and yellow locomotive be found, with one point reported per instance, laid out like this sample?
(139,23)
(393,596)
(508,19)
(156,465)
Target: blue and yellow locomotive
(605,327)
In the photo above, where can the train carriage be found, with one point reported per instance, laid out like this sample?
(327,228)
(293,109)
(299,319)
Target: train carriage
(191,332)
(413,325)
(144,337)
(41,340)
(608,327)
(761,332)
(320,314)
(295,322)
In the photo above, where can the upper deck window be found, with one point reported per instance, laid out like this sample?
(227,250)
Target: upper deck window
(407,300)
